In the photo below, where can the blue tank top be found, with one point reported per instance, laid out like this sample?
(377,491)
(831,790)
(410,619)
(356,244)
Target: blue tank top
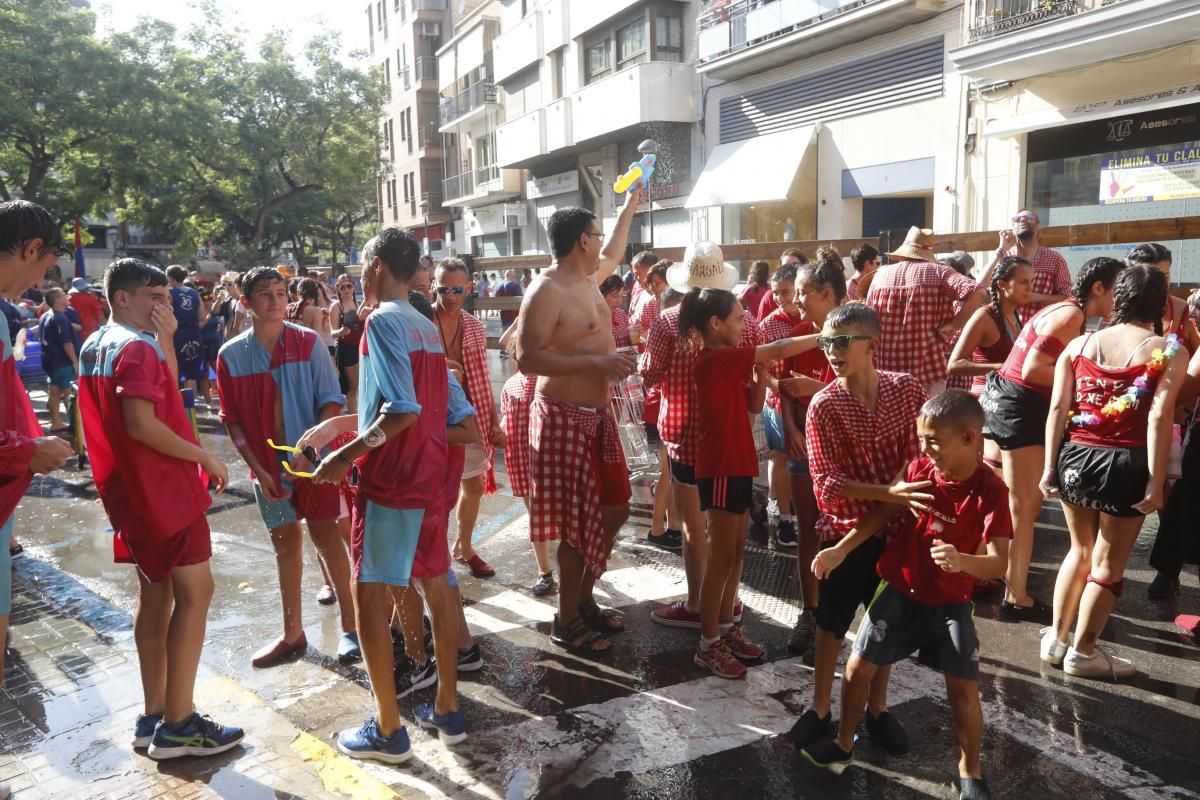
(186,304)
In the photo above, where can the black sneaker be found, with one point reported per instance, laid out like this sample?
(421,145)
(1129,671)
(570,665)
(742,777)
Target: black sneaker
(828,755)
(809,728)
(804,633)
(421,676)
(470,659)
(786,533)
(886,731)
(677,537)
(544,585)
(1039,612)
(973,789)
(1163,587)
(664,541)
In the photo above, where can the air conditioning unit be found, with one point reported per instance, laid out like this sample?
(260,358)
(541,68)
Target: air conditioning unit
(432,30)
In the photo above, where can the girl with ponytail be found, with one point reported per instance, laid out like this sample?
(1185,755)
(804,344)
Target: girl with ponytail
(1017,401)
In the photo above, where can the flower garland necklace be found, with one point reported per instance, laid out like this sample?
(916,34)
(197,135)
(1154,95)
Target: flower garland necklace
(1136,390)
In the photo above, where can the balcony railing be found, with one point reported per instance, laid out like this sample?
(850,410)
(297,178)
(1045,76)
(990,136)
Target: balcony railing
(428,136)
(425,69)
(429,5)
(466,101)
(991,18)
(469,182)
(726,26)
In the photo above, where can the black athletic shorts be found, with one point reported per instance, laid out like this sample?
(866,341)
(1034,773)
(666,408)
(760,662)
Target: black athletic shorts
(851,585)
(683,474)
(896,626)
(652,437)
(734,495)
(1016,416)
(1107,479)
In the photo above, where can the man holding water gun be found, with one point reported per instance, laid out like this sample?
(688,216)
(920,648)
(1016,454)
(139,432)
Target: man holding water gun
(276,381)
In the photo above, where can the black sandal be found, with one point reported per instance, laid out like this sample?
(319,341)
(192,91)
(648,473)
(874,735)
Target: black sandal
(577,637)
(601,619)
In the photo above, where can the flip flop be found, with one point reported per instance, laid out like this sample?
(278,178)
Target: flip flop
(1189,623)
(601,619)
(572,638)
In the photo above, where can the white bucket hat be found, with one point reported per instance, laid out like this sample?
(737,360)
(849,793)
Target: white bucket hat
(703,267)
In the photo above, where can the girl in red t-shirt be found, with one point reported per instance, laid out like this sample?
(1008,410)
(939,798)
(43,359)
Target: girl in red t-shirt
(820,288)
(1109,470)
(730,383)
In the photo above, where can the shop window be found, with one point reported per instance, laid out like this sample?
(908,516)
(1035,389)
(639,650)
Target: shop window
(597,64)
(668,38)
(631,44)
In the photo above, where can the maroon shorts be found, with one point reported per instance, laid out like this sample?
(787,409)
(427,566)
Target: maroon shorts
(156,556)
(433,550)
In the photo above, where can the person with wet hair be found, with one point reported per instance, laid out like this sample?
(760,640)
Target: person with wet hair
(1017,401)
(1114,395)
(610,290)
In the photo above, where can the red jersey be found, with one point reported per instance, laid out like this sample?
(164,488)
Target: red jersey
(846,442)
(962,513)
(1030,340)
(1095,386)
(775,326)
(812,364)
(18,429)
(140,486)
(723,414)
(752,296)
(765,306)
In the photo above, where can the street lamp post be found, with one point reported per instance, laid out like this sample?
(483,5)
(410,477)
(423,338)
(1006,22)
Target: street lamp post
(425,214)
(645,148)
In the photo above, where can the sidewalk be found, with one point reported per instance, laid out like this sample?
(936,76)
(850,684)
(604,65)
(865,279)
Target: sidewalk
(72,692)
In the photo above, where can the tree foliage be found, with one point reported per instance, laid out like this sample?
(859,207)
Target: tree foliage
(187,133)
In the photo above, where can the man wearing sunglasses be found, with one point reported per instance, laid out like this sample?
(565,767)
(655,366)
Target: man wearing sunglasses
(1051,276)
(465,345)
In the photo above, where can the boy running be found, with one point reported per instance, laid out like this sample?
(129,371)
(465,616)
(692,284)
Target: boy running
(276,381)
(929,567)
(859,433)
(144,461)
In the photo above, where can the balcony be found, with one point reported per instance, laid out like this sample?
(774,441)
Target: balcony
(482,185)
(466,103)
(656,91)
(1014,39)
(428,136)
(517,47)
(425,68)
(521,140)
(737,38)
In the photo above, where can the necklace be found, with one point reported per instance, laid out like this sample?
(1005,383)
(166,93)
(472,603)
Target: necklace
(447,348)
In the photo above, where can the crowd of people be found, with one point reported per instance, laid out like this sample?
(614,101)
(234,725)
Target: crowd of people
(373,421)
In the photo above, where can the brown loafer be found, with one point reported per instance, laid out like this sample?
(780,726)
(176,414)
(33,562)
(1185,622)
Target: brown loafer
(279,652)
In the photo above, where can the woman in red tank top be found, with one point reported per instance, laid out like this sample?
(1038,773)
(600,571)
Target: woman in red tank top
(1110,467)
(1017,400)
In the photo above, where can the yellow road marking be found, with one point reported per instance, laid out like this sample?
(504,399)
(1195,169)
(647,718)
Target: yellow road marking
(339,774)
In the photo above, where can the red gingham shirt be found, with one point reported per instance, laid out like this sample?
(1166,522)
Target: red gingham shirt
(912,299)
(848,443)
(665,362)
(620,328)
(777,325)
(478,387)
(1051,275)
(642,314)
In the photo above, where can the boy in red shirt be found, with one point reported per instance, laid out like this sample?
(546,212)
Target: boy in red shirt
(152,476)
(929,567)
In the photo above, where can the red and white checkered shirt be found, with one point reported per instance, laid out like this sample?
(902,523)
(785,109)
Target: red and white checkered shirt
(777,325)
(912,299)
(478,386)
(846,442)
(620,328)
(642,315)
(852,288)
(1051,275)
(515,398)
(668,363)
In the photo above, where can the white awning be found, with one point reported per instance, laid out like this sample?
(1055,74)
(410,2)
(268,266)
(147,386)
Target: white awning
(758,170)
(1101,109)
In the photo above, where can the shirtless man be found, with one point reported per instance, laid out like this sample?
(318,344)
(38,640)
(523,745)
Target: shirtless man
(579,489)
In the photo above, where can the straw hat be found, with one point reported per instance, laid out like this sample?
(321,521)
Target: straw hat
(917,245)
(703,267)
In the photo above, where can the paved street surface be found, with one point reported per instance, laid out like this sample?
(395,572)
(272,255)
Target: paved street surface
(642,723)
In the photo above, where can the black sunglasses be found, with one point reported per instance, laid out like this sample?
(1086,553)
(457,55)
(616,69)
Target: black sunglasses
(839,342)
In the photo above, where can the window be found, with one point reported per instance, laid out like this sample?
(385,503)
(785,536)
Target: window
(412,194)
(559,73)
(406,121)
(597,63)
(523,94)
(668,38)
(631,44)
(371,30)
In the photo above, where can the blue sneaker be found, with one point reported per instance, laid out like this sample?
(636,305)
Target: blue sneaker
(198,736)
(348,650)
(143,729)
(368,743)
(451,728)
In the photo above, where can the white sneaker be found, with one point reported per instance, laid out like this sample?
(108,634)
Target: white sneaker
(1100,664)
(773,508)
(1053,650)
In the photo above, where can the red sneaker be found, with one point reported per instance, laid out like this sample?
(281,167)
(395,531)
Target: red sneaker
(676,615)
(742,647)
(1189,623)
(719,661)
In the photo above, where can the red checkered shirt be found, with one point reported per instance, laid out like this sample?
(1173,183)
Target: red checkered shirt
(1051,275)
(642,314)
(777,325)
(912,299)
(515,398)
(669,364)
(478,386)
(848,443)
(620,328)
(852,288)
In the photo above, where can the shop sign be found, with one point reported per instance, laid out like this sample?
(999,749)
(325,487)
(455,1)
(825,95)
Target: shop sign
(562,183)
(1150,174)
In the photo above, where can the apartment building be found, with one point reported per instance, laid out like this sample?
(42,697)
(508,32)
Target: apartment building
(1085,111)
(827,118)
(581,84)
(404,37)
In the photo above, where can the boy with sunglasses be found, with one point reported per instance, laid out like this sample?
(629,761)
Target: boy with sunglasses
(276,381)
(859,433)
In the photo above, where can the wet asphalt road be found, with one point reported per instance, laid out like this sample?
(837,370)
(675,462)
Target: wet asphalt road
(644,723)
